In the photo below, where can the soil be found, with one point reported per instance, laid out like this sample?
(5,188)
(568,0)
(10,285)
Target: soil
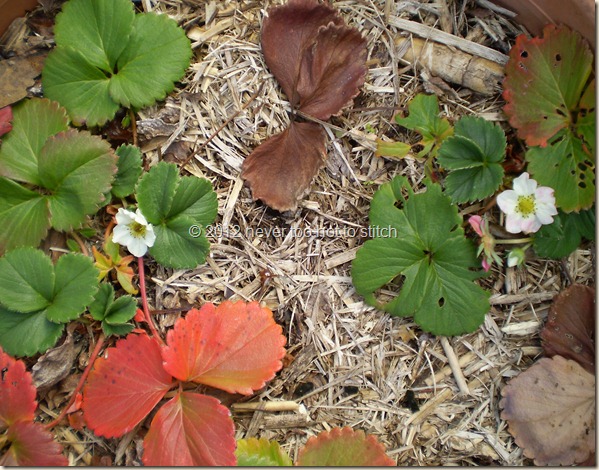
(347,363)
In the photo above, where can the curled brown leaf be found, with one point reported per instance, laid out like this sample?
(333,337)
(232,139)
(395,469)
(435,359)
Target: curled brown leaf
(550,410)
(570,327)
(320,64)
(280,170)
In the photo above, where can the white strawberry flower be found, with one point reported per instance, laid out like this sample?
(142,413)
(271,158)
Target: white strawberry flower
(133,231)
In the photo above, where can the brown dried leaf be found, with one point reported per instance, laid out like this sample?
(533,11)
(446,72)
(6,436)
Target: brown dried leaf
(570,327)
(280,170)
(287,32)
(332,70)
(550,409)
(56,363)
(17,74)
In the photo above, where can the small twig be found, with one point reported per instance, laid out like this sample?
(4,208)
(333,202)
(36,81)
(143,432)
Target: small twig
(223,125)
(88,368)
(284,405)
(455,366)
(144,299)
(80,242)
(133,126)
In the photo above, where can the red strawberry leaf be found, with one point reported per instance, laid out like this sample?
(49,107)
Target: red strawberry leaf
(287,32)
(344,447)
(5,118)
(236,347)
(545,80)
(191,430)
(570,327)
(17,393)
(32,446)
(332,70)
(280,170)
(124,386)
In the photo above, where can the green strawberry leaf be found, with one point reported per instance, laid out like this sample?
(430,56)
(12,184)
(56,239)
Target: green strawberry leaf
(26,280)
(254,452)
(568,167)
(74,288)
(24,216)
(424,118)
(98,30)
(392,149)
(114,314)
(563,236)
(78,169)
(34,121)
(473,155)
(174,205)
(156,56)
(79,86)
(26,334)
(428,250)
(545,80)
(106,56)
(129,170)
(29,283)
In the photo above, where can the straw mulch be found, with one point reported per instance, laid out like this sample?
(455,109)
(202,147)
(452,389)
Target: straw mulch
(347,364)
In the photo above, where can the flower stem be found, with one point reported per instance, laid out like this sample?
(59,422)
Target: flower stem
(144,299)
(88,368)
(516,241)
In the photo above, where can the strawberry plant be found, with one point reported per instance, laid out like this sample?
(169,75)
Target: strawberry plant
(22,441)
(50,175)
(106,56)
(340,447)
(235,347)
(424,249)
(38,298)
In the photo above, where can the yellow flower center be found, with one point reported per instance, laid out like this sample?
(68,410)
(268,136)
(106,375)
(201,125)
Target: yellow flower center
(137,230)
(526,205)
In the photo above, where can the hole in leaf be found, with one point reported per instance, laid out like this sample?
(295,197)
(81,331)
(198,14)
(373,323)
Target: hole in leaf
(524,54)
(558,57)
(560,112)
(441,301)
(582,176)
(582,166)
(582,185)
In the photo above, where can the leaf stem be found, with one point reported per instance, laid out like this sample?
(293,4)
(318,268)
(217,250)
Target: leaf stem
(144,299)
(516,241)
(88,368)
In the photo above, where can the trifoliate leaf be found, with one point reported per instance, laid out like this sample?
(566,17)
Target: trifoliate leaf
(26,334)
(34,121)
(29,283)
(129,170)
(429,255)
(176,205)
(254,452)
(424,118)
(106,56)
(473,155)
(114,314)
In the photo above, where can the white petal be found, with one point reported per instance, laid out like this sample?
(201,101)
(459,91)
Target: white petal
(545,194)
(544,214)
(123,216)
(137,247)
(121,234)
(150,237)
(524,186)
(139,218)
(531,225)
(513,223)
(507,201)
